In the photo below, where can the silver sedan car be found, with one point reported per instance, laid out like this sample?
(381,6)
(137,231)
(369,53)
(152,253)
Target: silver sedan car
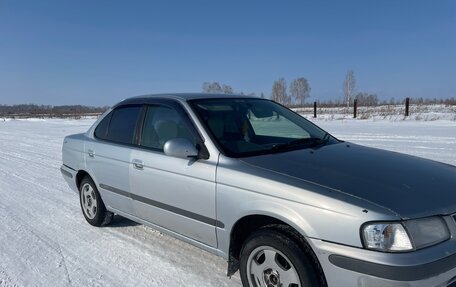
(285,203)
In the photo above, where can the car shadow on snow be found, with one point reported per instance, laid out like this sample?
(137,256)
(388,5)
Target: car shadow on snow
(119,221)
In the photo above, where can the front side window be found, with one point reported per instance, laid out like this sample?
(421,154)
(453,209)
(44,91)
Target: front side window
(161,124)
(247,127)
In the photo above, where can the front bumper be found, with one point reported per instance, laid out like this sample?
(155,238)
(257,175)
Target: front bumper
(351,267)
(69,175)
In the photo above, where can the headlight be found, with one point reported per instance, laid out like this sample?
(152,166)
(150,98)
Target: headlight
(386,237)
(404,236)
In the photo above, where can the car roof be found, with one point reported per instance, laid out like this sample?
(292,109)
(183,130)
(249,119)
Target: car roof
(180,96)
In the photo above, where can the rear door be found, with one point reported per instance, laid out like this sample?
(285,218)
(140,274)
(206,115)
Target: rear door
(174,193)
(108,156)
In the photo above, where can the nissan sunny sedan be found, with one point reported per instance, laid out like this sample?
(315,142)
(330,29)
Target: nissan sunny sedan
(283,201)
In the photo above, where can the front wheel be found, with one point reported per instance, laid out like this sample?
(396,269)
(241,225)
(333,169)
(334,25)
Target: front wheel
(271,259)
(92,206)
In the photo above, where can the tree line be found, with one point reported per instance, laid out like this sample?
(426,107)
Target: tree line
(298,91)
(293,95)
(48,110)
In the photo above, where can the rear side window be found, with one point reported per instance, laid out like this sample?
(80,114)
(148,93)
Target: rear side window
(120,125)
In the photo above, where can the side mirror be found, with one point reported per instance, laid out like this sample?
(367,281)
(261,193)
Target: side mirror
(180,147)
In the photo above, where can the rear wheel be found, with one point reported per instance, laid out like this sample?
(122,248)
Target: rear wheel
(271,259)
(92,206)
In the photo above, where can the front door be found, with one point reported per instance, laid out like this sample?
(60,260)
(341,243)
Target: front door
(174,193)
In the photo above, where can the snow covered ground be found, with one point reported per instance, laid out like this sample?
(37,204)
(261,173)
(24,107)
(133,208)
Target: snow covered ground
(45,241)
(434,140)
(386,112)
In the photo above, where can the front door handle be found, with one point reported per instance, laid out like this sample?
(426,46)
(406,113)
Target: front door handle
(138,164)
(91,152)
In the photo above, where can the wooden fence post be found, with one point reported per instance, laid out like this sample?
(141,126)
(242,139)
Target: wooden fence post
(315,109)
(407,104)
(355,106)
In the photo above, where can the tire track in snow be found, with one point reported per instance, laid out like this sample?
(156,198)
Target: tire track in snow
(5,280)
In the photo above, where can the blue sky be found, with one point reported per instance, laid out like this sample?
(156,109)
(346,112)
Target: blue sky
(99,52)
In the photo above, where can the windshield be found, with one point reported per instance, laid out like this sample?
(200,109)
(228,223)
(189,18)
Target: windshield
(247,127)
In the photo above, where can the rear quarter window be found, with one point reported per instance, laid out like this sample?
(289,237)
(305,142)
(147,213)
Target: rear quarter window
(101,130)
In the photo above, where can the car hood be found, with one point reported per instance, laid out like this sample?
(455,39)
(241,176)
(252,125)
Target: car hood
(410,186)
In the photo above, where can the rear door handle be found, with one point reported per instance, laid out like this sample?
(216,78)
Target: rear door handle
(91,152)
(138,164)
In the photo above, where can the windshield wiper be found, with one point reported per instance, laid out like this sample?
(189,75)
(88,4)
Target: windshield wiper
(302,142)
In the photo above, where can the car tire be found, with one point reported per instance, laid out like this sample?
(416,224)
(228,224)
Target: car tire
(92,205)
(271,258)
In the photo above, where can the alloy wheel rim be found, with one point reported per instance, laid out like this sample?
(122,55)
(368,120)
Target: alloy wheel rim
(89,201)
(268,267)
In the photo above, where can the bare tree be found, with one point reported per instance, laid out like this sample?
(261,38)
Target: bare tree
(366,99)
(217,88)
(279,92)
(227,89)
(213,87)
(300,90)
(349,86)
